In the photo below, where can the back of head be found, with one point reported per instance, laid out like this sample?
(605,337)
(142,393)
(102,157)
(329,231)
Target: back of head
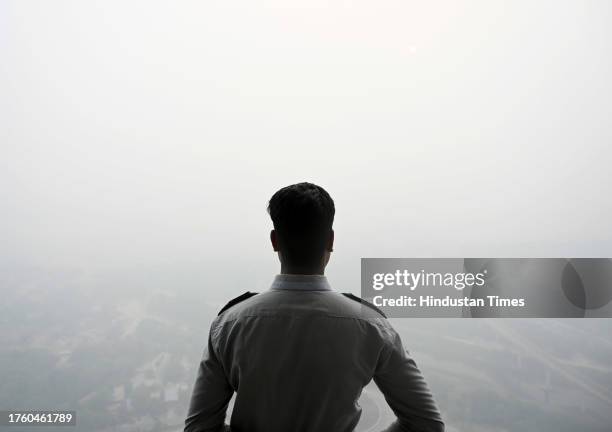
(303,215)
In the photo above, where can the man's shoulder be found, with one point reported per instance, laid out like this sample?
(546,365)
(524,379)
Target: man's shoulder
(286,302)
(236,300)
(364,303)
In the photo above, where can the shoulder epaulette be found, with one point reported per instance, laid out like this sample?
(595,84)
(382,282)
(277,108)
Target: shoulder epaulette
(363,302)
(237,300)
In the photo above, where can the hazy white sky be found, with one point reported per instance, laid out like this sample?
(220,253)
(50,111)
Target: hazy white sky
(144,132)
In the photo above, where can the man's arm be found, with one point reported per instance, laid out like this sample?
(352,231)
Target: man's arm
(405,390)
(211,395)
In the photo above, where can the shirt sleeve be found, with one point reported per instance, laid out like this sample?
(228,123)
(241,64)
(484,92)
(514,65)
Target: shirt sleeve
(211,395)
(405,389)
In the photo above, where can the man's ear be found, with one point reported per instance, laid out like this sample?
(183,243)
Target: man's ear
(274,240)
(330,241)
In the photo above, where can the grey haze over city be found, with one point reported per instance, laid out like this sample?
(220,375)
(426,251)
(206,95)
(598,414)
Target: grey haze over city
(140,142)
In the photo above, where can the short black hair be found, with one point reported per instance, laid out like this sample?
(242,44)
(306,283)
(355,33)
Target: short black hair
(303,215)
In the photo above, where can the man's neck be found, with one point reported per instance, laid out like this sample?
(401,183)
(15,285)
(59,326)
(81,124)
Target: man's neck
(302,270)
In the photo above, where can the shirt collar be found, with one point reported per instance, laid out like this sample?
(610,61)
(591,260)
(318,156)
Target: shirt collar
(298,282)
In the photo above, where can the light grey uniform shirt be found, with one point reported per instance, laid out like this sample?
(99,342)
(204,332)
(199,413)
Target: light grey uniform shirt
(298,356)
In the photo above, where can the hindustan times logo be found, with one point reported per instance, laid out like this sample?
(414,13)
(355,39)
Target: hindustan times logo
(413,280)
